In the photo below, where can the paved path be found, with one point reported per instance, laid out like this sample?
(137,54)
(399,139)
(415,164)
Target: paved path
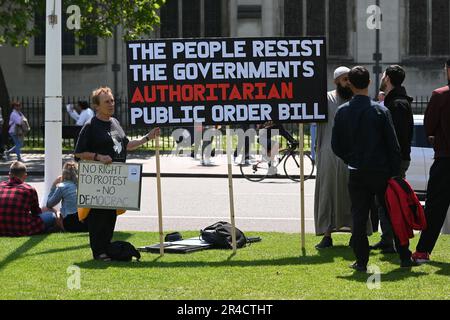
(194,203)
(192,200)
(171,165)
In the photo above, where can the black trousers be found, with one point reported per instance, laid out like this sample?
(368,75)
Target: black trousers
(363,186)
(282,131)
(73,224)
(387,235)
(101,224)
(243,144)
(374,218)
(2,145)
(267,140)
(436,204)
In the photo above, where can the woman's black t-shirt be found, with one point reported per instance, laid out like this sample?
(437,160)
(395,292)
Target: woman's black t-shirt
(103,137)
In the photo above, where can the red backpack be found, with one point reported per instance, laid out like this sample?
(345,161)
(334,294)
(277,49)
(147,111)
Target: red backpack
(405,209)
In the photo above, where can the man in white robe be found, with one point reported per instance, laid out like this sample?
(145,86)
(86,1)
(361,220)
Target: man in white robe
(332,205)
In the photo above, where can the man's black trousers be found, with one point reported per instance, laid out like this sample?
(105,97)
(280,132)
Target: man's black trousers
(363,186)
(436,204)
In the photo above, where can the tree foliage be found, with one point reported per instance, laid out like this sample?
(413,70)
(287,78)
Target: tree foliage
(98,18)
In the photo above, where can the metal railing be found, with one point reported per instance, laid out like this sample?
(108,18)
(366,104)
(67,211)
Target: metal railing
(33,109)
(419,105)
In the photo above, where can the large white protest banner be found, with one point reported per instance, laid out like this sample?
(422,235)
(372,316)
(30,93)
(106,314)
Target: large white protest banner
(112,186)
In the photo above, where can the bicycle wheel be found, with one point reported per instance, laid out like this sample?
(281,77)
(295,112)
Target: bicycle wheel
(256,170)
(292,166)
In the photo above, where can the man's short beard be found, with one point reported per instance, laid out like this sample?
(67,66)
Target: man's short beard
(344,92)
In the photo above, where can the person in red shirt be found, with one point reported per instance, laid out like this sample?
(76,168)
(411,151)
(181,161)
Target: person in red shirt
(20,214)
(437,127)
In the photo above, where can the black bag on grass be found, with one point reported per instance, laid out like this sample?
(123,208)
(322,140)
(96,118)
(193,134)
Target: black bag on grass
(219,235)
(122,251)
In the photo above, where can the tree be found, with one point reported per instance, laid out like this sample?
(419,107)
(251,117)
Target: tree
(98,18)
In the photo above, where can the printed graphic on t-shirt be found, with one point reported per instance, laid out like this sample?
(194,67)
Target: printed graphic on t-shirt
(117,145)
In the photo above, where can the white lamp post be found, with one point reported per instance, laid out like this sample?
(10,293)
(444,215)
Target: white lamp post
(53,95)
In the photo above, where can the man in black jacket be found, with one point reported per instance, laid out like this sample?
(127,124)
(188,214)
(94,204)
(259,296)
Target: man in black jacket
(399,104)
(364,137)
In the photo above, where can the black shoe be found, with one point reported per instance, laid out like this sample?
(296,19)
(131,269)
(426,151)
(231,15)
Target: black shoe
(355,266)
(408,263)
(293,145)
(327,242)
(380,246)
(103,257)
(388,250)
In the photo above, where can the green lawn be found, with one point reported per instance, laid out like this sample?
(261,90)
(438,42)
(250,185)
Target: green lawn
(37,268)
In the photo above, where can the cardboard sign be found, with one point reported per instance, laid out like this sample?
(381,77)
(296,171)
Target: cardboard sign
(112,186)
(174,82)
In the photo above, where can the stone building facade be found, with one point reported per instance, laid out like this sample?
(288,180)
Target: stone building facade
(413,33)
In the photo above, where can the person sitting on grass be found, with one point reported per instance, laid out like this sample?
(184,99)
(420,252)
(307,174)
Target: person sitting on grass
(64,190)
(20,214)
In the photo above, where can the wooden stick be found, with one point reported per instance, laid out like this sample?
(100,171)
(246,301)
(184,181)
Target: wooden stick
(230,190)
(302,185)
(158,192)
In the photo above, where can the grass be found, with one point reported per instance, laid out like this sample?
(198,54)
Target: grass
(38,267)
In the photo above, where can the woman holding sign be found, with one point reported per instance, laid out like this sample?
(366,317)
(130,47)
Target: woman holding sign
(103,139)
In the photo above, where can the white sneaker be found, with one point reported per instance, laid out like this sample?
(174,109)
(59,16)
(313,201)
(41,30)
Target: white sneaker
(240,160)
(206,162)
(266,158)
(272,171)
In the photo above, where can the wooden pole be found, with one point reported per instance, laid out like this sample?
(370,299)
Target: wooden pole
(230,190)
(158,192)
(302,186)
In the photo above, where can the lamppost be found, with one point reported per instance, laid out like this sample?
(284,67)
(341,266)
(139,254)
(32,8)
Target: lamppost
(53,88)
(377,56)
(374,23)
(53,95)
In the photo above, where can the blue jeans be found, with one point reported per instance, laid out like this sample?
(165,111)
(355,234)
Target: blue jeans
(49,219)
(18,143)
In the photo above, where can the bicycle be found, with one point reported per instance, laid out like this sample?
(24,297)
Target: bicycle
(261,167)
